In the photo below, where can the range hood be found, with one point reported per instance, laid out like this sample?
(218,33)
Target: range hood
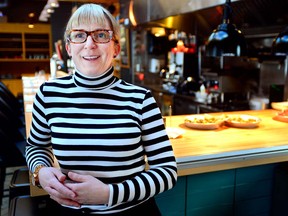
(261,17)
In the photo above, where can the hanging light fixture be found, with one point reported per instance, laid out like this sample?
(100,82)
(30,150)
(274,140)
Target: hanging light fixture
(44,16)
(53,3)
(226,39)
(280,43)
(48,9)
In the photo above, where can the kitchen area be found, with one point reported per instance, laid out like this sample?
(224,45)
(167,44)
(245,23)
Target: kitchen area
(222,171)
(170,55)
(202,80)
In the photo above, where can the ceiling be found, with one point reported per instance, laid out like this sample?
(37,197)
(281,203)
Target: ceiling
(251,16)
(16,11)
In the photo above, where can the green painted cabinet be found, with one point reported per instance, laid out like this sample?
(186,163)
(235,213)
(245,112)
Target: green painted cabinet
(211,194)
(173,202)
(237,192)
(253,190)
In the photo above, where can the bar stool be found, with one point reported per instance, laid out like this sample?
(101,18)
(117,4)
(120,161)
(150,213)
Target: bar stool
(32,206)
(19,184)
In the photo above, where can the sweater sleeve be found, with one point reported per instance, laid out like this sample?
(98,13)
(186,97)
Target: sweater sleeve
(38,148)
(162,173)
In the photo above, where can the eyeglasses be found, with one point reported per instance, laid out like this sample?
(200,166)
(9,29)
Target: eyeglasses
(98,36)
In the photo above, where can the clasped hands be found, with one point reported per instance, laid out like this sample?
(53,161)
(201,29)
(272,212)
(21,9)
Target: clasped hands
(80,189)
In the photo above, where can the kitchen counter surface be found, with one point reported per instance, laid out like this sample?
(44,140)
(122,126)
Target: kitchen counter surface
(199,151)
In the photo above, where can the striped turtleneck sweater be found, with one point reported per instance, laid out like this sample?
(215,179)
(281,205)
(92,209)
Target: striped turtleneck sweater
(107,128)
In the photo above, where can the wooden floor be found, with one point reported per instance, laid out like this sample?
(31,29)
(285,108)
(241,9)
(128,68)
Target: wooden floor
(5,200)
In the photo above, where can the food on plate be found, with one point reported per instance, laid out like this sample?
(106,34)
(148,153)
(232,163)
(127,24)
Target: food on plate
(282,116)
(204,121)
(283,113)
(242,121)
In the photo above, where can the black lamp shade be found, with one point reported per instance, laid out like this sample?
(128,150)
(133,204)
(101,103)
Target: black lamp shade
(226,39)
(280,43)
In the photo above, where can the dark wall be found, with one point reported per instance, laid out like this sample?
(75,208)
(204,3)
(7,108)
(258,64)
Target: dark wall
(58,21)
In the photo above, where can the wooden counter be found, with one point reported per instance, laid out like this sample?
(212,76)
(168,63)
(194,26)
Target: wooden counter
(199,151)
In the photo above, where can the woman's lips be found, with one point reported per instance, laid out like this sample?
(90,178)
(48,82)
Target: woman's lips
(90,58)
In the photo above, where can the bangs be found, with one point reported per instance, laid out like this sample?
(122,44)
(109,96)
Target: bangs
(90,17)
(89,14)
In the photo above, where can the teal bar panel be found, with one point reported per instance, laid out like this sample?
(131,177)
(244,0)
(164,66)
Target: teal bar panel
(173,202)
(210,194)
(254,207)
(254,190)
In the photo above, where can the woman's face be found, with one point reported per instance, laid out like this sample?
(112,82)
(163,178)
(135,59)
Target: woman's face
(90,58)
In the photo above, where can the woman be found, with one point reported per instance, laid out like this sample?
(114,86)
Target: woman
(101,130)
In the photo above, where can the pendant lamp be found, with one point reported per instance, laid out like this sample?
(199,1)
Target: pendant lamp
(280,43)
(226,39)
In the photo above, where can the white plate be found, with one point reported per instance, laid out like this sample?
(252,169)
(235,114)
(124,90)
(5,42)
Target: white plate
(242,121)
(280,105)
(204,122)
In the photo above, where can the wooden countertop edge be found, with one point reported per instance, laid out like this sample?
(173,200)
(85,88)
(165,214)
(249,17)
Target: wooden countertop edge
(232,165)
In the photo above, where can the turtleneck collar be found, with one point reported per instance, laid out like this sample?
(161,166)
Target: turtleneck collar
(100,82)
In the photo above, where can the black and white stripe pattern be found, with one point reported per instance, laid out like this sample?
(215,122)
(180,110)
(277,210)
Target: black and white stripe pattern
(107,128)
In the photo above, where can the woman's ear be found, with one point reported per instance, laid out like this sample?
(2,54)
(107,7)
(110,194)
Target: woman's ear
(68,49)
(116,50)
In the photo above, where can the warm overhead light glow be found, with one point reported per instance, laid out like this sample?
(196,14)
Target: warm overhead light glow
(131,14)
(31,15)
(158,31)
(53,3)
(31,20)
(50,10)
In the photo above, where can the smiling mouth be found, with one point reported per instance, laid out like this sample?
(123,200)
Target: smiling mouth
(90,58)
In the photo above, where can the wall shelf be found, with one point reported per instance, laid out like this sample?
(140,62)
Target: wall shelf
(22,45)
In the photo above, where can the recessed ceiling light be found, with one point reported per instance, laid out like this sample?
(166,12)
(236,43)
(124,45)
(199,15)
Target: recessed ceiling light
(31,15)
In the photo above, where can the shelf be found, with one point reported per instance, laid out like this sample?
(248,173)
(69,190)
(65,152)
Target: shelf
(37,50)
(22,50)
(11,40)
(11,50)
(37,40)
(23,60)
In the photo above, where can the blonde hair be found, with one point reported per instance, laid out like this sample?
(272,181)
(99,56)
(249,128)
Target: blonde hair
(93,13)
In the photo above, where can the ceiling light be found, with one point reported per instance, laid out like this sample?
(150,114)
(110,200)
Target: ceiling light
(53,3)
(31,15)
(158,31)
(50,10)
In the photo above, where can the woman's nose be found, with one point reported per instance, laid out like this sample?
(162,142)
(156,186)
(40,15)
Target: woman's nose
(90,42)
